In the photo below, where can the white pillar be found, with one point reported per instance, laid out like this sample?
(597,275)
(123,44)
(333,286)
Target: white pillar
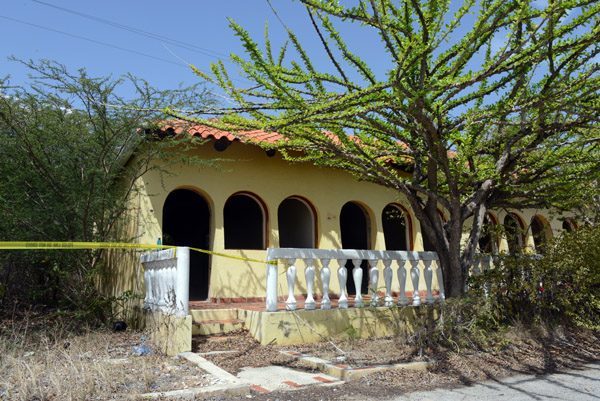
(342,279)
(374,276)
(309,274)
(387,277)
(182,281)
(415,275)
(290,303)
(271,286)
(402,300)
(357,274)
(325,277)
(428,282)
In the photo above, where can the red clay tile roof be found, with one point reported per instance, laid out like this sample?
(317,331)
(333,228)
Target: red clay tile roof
(255,136)
(213,133)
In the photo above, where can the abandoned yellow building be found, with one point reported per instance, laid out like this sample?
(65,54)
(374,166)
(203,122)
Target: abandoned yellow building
(257,201)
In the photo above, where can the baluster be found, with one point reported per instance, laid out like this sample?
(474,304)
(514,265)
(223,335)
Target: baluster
(402,300)
(387,277)
(415,275)
(486,264)
(171,292)
(357,274)
(148,283)
(342,278)
(162,287)
(374,275)
(440,278)
(325,276)
(290,303)
(428,282)
(155,288)
(166,289)
(309,274)
(272,287)
(476,269)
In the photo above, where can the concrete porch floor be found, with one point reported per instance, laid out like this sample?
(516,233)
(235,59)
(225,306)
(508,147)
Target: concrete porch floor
(259,305)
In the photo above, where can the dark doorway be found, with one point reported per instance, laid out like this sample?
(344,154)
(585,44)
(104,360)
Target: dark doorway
(186,222)
(354,228)
(296,224)
(244,223)
(514,233)
(487,240)
(538,230)
(395,229)
(568,226)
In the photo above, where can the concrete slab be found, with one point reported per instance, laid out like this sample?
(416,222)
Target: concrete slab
(346,372)
(223,382)
(271,378)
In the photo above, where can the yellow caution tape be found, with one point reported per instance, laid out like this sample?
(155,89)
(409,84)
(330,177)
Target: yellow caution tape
(270,262)
(110,245)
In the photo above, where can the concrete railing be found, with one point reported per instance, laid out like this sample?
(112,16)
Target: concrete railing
(401,259)
(167,277)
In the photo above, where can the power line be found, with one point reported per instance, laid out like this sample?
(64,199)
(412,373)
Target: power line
(93,41)
(106,44)
(147,34)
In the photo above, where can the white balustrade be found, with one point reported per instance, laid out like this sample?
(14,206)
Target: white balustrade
(357,275)
(343,279)
(309,274)
(309,257)
(325,277)
(167,278)
(290,303)
(374,276)
(482,264)
(415,276)
(402,299)
(388,275)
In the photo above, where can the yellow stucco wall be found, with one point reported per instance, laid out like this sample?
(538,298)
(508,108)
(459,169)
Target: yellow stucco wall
(249,169)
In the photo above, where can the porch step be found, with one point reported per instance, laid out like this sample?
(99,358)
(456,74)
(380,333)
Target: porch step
(200,315)
(211,327)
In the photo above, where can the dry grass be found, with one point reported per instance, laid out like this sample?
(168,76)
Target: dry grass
(45,363)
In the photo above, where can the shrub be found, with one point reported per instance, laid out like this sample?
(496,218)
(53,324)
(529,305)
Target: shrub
(561,286)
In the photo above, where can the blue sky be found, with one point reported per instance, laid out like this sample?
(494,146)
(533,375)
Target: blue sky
(155,40)
(97,35)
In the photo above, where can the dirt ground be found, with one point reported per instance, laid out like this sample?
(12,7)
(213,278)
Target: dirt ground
(530,353)
(41,364)
(98,365)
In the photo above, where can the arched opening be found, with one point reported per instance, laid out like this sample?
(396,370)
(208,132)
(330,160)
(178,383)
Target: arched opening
(568,225)
(244,221)
(186,222)
(514,233)
(296,224)
(488,240)
(396,228)
(539,230)
(355,230)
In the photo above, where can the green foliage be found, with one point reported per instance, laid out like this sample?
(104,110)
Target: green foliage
(72,151)
(561,286)
(489,104)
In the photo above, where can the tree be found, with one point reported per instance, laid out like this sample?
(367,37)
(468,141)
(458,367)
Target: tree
(487,105)
(67,169)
